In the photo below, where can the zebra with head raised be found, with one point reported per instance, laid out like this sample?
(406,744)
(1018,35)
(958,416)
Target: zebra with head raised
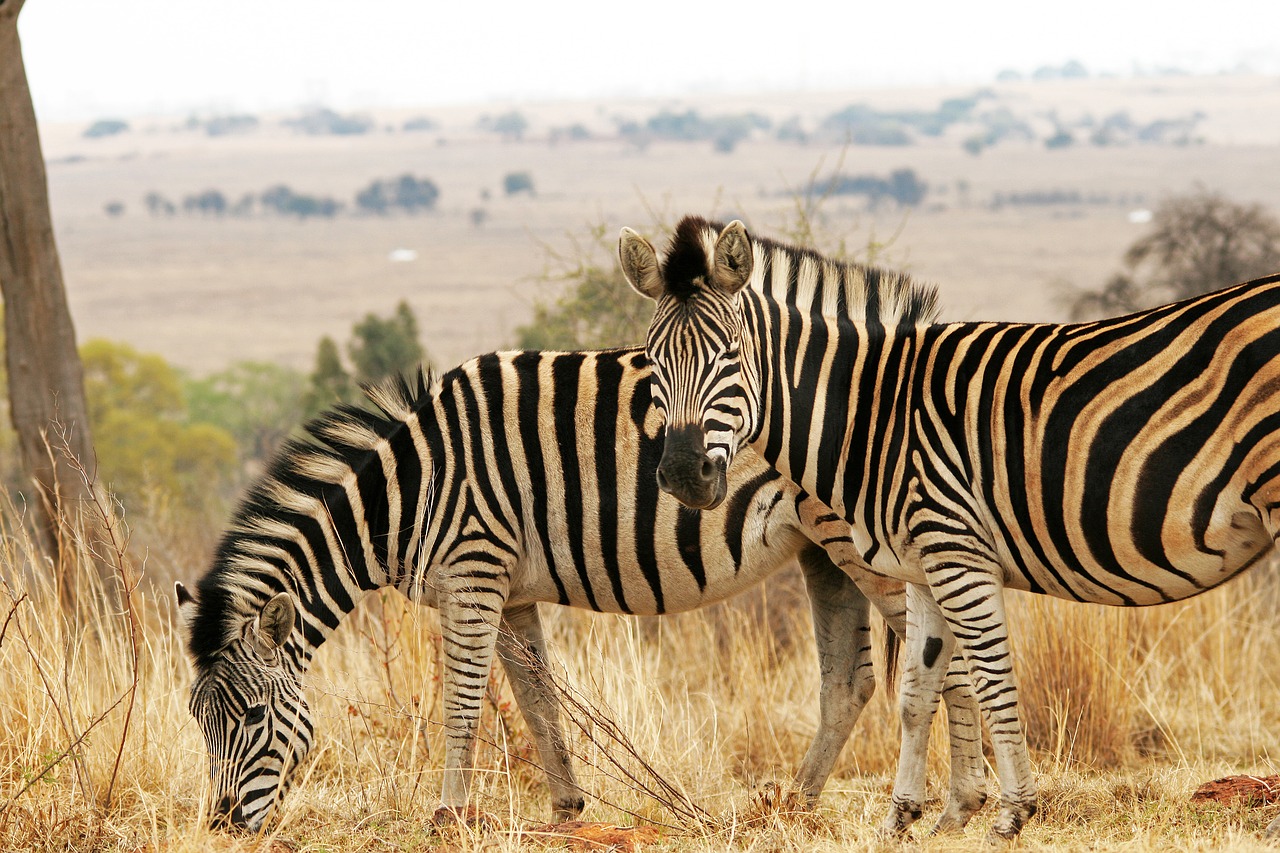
(510,480)
(1131,461)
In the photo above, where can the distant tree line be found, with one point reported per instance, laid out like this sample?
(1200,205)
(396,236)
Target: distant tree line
(902,186)
(1057,196)
(860,124)
(404,194)
(222,125)
(723,131)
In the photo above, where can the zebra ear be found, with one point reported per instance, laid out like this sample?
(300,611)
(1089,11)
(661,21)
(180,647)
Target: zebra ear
(733,262)
(275,623)
(640,264)
(186,604)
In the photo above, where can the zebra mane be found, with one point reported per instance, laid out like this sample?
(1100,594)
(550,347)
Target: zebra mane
(803,278)
(242,577)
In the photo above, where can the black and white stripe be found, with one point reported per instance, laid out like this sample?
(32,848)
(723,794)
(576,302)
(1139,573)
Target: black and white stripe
(1129,462)
(513,479)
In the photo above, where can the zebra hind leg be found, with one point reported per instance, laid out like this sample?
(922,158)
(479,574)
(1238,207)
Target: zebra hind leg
(968,792)
(523,652)
(842,630)
(928,655)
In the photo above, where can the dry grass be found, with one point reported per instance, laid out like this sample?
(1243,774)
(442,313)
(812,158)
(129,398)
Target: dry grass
(681,723)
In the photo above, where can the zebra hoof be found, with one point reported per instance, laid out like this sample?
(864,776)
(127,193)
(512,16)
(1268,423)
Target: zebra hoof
(1010,822)
(958,814)
(1273,830)
(899,820)
(568,809)
(469,816)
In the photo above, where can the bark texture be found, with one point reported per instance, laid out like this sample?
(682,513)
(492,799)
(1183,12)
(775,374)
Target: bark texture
(46,381)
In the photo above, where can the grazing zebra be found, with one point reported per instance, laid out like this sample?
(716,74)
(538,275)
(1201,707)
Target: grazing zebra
(510,480)
(1130,461)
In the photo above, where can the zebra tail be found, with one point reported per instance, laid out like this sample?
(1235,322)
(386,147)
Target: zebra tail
(892,646)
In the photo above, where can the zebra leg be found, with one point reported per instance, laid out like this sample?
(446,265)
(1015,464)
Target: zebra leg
(968,790)
(842,630)
(929,647)
(523,652)
(971,599)
(471,600)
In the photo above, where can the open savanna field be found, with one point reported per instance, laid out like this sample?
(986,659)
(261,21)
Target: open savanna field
(689,724)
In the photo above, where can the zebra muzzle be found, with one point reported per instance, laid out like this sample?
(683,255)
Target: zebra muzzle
(688,473)
(227,815)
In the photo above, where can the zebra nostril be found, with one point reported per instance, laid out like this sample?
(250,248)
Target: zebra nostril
(663,482)
(707,469)
(237,816)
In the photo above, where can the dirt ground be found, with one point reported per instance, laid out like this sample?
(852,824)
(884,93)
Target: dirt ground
(207,292)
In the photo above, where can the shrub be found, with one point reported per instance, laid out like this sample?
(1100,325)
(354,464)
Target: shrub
(514,183)
(105,127)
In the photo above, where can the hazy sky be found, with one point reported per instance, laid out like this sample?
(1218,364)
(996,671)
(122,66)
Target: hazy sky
(91,58)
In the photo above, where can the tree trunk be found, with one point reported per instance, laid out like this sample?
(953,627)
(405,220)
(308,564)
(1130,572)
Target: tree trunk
(46,382)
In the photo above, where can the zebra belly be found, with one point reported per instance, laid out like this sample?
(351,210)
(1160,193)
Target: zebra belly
(1146,540)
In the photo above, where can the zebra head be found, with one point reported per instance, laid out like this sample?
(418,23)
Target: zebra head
(699,384)
(248,701)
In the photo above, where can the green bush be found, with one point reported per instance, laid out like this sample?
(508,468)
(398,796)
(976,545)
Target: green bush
(145,440)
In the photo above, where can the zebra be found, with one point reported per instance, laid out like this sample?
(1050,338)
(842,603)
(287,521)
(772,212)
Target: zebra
(507,481)
(1129,462)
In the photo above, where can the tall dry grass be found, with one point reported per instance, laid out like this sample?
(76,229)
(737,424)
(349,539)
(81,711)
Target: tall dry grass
(679,722)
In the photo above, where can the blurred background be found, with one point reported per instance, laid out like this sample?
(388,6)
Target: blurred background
(259,206)
(236,188)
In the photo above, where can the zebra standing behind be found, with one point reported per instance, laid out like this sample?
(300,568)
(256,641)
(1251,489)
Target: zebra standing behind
(510,480)
(1131,461)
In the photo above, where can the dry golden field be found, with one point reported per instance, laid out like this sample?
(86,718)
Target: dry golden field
(1128,711)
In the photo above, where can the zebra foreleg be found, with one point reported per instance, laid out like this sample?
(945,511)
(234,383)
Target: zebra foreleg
(471,599)
(842,630)
(928,655)
(523,652)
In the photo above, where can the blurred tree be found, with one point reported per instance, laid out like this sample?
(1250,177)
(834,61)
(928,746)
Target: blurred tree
(384,346)
(46,382)
(207,203)
(596,310)
(517,182)
(1198,242)
(1203,241)
(258,403)
(158,205)
(104,127)
(406,192)
(330,382)
(147,444)
(511,125)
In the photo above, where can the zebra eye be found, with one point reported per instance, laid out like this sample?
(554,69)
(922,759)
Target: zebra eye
(255,714)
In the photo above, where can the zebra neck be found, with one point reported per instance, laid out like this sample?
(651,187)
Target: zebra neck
(829,394)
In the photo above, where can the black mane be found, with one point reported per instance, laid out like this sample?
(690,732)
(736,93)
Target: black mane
(238,583)
(685,270)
